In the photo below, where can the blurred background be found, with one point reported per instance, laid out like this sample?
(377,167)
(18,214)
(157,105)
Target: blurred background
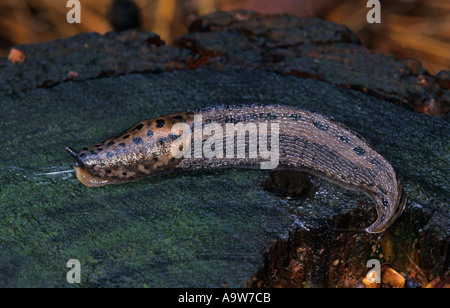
(409,28)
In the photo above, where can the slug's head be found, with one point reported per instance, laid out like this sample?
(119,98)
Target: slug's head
(82,174)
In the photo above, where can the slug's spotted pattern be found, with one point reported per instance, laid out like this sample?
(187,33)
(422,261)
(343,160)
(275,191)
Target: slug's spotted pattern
(307,142)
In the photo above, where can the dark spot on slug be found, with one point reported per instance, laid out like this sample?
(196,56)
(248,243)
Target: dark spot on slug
(150,134)
(179,118)
(385,202)
(359,151)
(271,116)
(108,171)
(93,153)
(109,154)
(155,158)
(162,140)
(173,136)
(125,137)
(382,190)
(138,127)
(137,140)
(295,117)
(147,167)
(110,144)
(343,138)
(122,144)
(85,149)
(234,120)
(160,123)
(124,173)
(99,149)
(82,155)
(374,161)
(320,125)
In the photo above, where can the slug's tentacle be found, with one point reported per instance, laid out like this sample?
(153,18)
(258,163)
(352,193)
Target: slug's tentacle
(71,152)
(298,139)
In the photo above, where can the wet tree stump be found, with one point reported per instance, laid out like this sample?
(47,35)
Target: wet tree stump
(215,228)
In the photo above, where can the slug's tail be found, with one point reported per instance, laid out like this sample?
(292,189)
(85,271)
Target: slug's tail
(388,213)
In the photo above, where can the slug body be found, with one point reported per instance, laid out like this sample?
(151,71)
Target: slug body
(306,141)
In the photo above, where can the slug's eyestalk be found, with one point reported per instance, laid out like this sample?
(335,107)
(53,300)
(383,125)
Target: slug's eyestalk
(71,152)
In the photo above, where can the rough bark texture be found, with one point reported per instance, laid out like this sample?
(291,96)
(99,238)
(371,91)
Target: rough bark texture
(210,228)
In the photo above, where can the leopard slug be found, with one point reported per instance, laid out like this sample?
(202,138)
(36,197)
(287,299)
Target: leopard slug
(306,141)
